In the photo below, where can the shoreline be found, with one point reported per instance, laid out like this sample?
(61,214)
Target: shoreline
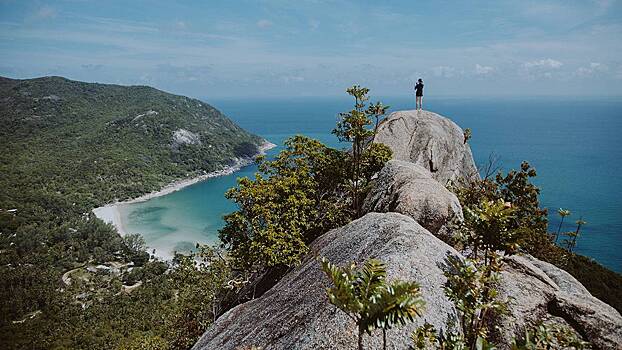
(111,213)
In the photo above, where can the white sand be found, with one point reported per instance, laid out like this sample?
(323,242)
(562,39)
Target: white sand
(111,213)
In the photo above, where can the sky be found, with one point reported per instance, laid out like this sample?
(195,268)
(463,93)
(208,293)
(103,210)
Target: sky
(229,49)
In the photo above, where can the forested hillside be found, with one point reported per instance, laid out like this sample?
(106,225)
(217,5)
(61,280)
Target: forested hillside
(65,148)
(95,143)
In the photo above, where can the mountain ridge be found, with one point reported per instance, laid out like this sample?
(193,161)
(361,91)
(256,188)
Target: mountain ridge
(119,128)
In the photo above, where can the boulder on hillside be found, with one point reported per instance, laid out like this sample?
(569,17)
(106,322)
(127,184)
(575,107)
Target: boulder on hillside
(296,314)
(540,292)
(429,140)
(409,189)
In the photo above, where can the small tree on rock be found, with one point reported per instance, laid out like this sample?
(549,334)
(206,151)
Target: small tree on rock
(353,128)
(371,302)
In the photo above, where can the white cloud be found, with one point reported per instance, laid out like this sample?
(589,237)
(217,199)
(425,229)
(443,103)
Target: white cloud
(264,23)
(181,25)
(545,63)
(483,70)
(292,79)
(444,71)
(593,68)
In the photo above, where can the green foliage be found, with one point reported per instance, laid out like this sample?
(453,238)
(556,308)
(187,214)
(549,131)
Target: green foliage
(424,337)
(529,223)
(543,337)
(571,241)
(562,213)
(353,128)
(487,228)
(471,287)
(366,297)
(294,199)
(468,133)
(134,247)
(198,279)
(303,192)
(66,148)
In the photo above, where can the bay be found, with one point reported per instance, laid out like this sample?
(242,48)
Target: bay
(574,144)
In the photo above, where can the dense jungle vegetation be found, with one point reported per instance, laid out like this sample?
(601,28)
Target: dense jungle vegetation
(67,147)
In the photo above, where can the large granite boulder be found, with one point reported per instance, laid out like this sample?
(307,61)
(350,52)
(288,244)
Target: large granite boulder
(407,188)
(296,314)
(537,291)
(428,151)
(429,140)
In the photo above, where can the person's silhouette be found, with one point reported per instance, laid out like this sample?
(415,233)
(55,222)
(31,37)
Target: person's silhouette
(419,94)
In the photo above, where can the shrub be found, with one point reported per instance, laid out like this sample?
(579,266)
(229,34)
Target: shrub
(293,199)
(366,297)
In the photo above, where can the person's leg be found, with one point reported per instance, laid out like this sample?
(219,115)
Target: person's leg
(421,102)
(418,103)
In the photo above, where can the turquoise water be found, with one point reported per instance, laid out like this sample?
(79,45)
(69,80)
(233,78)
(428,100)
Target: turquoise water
(575,145)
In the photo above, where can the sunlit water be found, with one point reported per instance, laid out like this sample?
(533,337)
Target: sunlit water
(575,145)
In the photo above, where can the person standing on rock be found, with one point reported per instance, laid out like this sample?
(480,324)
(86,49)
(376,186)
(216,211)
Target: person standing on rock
(419,94)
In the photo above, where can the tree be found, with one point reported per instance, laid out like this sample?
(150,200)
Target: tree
(488,228)
(135,248)
(562,213)
(292,200)
(352,128)
(527,224)
(544,336)
(377,110)
(470,286)
(571,242)
(368,300)
(305,191)
(198,280)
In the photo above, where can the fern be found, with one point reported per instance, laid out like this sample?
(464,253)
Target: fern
(365,296)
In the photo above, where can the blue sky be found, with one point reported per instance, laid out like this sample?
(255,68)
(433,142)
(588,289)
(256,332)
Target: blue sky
(316,47)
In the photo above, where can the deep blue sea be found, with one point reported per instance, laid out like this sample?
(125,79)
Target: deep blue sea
(574,144)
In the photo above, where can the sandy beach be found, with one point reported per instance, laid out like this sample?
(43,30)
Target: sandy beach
(111,213)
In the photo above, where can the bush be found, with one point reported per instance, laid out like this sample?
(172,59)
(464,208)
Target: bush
(295,198)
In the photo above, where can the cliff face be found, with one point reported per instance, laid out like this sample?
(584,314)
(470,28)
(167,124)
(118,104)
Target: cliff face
(414,204)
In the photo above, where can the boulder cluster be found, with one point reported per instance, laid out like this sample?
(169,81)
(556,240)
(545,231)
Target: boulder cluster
(406,211)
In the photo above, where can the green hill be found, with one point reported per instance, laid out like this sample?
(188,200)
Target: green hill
(65,148)
(96,143)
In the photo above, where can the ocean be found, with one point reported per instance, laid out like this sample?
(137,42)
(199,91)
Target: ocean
(574,144)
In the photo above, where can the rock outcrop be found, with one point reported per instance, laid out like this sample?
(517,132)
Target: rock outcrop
(407,188)
(185,137)
(407,203)
(537,291)
(296,314)
(429,140)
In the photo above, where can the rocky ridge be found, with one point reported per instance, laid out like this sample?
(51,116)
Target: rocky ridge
(295,313)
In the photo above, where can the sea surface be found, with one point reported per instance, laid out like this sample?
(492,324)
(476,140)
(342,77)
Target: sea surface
(574,144)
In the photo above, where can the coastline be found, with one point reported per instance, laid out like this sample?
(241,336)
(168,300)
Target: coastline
(111,213)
